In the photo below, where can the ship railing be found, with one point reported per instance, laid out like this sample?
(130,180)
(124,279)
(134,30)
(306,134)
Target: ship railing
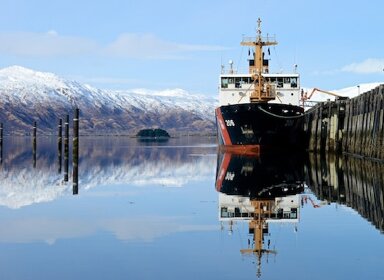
(267,38)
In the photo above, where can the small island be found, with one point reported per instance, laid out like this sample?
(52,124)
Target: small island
(153,135)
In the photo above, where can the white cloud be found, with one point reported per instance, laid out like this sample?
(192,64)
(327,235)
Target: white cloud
(127,45)
(48,230)
(149,228)
(149,46)
(52,33)
(44,44)
(368,66)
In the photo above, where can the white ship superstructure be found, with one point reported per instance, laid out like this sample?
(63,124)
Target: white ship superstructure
(239,208)
(237,88)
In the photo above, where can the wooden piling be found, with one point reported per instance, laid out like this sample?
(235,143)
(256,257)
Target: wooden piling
(75,146)
(346,130)
(34,143)
(60,145)
(66,148)
(75,151)
(75,186)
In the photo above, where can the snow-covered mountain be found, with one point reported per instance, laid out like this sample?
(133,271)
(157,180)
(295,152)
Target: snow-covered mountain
(27,96)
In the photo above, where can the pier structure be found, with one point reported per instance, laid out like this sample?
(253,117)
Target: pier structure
(354,126)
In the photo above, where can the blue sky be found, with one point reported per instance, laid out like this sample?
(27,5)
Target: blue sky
(167,43)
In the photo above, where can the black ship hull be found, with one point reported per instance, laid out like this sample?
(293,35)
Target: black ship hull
(258,126)
(260,177)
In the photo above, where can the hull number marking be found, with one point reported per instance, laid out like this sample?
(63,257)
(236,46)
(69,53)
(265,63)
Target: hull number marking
(229,122)
(229,176)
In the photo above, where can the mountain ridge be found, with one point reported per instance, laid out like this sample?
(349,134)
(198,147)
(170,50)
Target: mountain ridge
(27,96)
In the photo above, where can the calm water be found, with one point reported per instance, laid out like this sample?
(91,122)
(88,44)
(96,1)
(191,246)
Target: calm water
(179,210)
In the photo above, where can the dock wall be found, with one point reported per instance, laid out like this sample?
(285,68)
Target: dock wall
(353,126)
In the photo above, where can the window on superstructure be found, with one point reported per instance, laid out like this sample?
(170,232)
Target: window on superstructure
(224,212)
(294,82)
(293,216)
(280,82)
(238,82)
(224,82)
(237,212)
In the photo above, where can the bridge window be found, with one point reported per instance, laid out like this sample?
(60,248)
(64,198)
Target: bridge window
(224,82)
(224,212)
(238,82)
(280,82)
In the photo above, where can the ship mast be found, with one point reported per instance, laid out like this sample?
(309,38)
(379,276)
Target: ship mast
(263,91)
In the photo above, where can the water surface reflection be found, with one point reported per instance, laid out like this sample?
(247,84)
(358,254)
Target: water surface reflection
(102,162)
(259,191)
(346,180)
(272,191)
(163,210)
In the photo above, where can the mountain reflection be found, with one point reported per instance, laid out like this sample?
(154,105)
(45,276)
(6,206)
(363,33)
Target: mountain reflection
(272,189)
(102,161)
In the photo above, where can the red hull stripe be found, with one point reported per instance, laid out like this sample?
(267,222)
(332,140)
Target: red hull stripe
(223,128)
(241,149)
(223,170)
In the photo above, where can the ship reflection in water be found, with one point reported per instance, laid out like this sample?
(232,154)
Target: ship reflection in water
(259,191)
(262,191)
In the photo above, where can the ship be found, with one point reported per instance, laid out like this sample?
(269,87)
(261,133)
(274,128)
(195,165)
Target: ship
(259,111)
